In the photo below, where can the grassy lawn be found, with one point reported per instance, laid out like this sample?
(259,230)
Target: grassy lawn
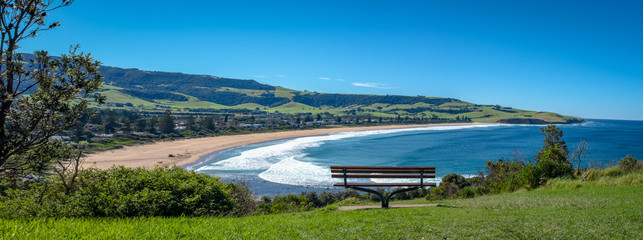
(574,211)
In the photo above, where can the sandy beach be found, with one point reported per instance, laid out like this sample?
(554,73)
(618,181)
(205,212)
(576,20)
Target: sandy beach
(190,150)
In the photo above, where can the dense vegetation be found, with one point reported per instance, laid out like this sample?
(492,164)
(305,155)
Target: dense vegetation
(118,192)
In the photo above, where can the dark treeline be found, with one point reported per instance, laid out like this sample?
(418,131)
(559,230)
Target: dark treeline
(109,128)
(345,100)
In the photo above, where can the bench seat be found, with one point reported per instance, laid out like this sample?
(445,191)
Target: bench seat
(350,184)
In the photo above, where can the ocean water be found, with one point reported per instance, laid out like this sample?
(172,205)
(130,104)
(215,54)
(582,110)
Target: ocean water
(302,164)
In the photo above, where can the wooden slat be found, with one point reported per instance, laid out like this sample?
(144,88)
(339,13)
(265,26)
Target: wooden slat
(382,176)
(364,170)
(384,184)
(381,167)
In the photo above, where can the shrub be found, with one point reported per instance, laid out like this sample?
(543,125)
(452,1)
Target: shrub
(450,189)
(503,176)
(327,198)
(456,179)
(628,164)
(466,192)
(531,176)
(242,199)
(122,192)
(264,204)
(551,169)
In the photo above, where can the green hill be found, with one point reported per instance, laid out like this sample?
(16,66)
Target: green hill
(159,91)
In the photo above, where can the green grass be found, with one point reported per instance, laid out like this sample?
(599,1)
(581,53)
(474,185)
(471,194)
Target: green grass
(561,210)
(249,92)
(192,102)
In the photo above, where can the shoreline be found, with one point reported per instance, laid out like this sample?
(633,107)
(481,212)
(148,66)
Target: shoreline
(189,151)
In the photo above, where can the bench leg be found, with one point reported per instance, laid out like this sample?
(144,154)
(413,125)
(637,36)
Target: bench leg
(386,199)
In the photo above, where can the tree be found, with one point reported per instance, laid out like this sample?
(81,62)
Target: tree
(579,154)
(78,131)
(141,125)
(126,125)
(166,125)
(554,147)
(208,123)
(110,122)
(40,96)
(152,125)
(190,123)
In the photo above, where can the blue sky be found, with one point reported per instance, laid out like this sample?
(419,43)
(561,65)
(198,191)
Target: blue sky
(580,58)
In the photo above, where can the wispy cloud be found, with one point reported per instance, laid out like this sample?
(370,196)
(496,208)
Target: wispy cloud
(281,76)
(372,85)
(324,78)
(341,80)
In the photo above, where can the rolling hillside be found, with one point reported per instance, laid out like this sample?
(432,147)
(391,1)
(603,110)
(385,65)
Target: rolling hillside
(153,91)
(159,91)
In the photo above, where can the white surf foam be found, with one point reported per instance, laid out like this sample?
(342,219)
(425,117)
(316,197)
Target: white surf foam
(293,172)
(284,162)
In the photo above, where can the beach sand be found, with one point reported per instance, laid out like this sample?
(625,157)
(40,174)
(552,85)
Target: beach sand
(190,150)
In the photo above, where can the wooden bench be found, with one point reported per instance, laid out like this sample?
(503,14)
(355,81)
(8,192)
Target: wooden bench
(347,172)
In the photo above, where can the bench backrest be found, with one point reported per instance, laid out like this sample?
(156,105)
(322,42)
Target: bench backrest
(382,172)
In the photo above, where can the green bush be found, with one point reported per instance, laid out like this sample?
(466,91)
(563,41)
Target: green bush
(456,179)
(628,164)
(243,201)
(531,175)
(503,176)
(466,192)
(121,192)
(552,169)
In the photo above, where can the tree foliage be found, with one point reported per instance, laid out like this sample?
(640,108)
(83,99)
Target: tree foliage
(166,124)
(42,96)
(554,147)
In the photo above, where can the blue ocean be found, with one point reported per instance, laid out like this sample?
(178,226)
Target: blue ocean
(301,164)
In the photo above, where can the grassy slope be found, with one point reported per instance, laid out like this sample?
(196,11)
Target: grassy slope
(567,209)
(483,113)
